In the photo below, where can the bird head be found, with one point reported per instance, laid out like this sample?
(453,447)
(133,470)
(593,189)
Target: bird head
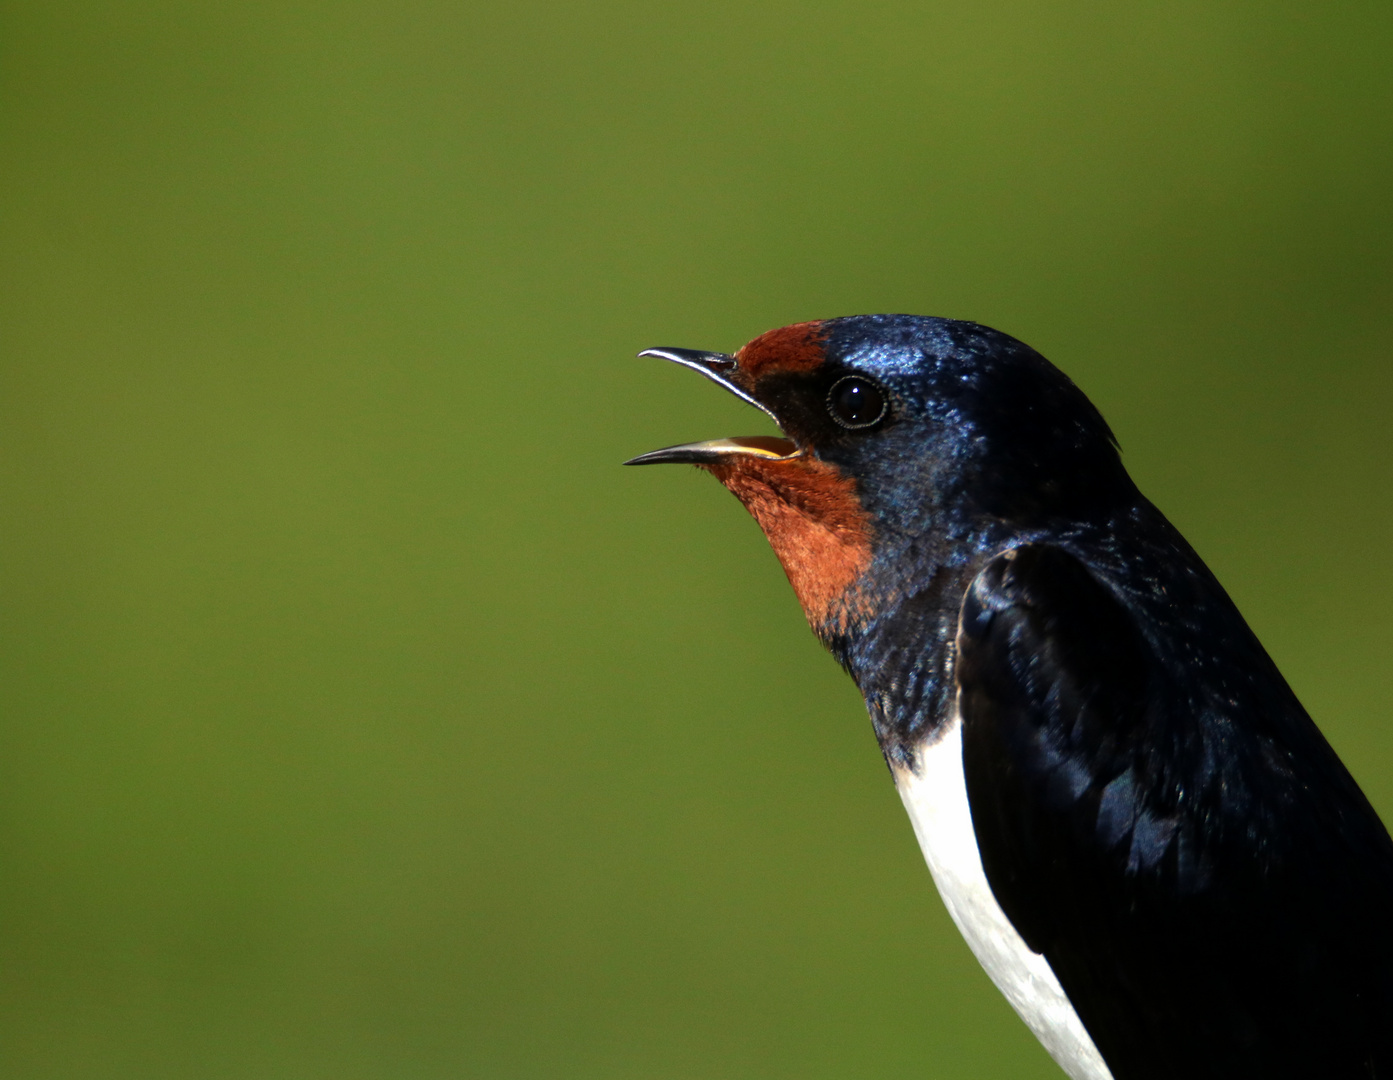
(909,444)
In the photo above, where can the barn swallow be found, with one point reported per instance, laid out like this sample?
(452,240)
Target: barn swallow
(1138,829)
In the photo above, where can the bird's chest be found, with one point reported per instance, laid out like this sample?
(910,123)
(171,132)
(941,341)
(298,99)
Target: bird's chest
(935,794)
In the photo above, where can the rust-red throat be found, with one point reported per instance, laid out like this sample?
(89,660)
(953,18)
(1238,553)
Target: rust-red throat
(809,511)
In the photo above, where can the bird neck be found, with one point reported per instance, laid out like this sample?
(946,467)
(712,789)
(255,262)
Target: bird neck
(901,657)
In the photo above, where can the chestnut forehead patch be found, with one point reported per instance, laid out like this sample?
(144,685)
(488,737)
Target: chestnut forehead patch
(790,348)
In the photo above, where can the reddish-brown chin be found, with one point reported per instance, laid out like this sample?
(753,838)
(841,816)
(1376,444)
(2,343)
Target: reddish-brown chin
(814,521)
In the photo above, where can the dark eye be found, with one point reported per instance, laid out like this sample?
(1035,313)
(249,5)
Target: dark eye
(855,402)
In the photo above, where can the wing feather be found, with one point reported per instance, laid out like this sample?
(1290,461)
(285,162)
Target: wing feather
(1212,902)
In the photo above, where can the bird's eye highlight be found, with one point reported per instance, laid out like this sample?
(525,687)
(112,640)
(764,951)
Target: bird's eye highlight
(855,402)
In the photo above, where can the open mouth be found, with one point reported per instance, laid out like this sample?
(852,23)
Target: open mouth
(717,367)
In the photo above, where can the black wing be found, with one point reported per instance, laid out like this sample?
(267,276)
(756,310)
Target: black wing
(1209,885)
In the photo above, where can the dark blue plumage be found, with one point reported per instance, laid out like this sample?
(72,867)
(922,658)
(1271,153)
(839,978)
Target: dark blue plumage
(1159,817)
(1155,812)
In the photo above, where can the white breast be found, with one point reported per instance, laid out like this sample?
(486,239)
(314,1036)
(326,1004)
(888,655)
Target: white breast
(935,794)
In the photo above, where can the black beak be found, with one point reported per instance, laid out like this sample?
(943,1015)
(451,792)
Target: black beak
(718,367)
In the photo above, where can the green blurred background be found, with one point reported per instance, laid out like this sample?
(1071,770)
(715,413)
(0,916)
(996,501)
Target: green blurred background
(361,718)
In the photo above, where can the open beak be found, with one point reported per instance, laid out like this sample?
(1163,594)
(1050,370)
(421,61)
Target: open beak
(719,368)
